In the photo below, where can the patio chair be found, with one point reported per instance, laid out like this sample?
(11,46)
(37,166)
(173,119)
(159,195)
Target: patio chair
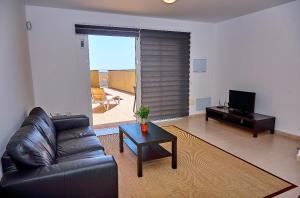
(99,96)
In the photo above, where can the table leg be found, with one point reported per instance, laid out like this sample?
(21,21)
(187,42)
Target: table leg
(255,134)
(121,141)
(174,154)
(139,161)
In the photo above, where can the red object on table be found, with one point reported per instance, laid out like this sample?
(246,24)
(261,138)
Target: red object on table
(144,128)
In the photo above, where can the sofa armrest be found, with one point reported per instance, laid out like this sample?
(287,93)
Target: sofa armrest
(93,177)
(70,122)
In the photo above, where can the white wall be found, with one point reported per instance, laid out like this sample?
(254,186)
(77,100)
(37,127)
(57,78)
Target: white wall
(16,95)
(61,82)
(257,52)
(260,52)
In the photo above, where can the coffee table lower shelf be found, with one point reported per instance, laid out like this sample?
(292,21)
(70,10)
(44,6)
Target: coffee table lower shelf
(150,152)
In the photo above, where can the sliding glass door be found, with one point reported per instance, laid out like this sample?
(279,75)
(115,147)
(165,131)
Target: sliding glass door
(162,68)
(165,69)
(111,55)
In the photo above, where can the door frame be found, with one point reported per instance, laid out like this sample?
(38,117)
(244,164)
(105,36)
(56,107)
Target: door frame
(84,59)
(138,73)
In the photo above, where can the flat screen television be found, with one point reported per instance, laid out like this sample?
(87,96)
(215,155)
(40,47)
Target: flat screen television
(242,101)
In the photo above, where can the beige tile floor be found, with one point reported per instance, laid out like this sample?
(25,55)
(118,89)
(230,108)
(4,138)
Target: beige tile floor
(118,113)
(274,153)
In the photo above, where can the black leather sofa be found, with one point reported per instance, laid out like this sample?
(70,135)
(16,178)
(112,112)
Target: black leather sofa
(58,157)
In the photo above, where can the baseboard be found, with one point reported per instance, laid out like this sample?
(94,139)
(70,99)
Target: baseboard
(167,120)
(286,134)
(173,119)
(197,114)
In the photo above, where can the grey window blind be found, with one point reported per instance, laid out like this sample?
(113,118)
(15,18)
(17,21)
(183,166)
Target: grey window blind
(165,70)
(106,31)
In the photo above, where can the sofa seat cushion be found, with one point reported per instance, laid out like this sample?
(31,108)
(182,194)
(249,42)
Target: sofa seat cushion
(78,145)
(78,156)
(29,148)
(75,133)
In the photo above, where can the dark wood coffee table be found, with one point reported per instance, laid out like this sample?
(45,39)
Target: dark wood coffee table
(146,146)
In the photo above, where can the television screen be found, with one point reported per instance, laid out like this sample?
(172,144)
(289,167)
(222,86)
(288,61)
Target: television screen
(241,100)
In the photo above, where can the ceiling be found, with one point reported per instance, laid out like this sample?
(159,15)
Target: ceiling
(195,10)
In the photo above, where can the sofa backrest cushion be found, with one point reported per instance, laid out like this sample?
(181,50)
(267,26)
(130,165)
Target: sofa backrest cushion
(43,128)
(39,112)
(28,148)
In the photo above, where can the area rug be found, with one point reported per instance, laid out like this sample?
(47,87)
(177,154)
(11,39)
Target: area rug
(204,170)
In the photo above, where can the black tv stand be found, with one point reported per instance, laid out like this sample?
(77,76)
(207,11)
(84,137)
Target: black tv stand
(241,113)
(250,121)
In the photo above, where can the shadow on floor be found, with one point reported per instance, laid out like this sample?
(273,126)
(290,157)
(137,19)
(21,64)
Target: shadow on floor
(101,109)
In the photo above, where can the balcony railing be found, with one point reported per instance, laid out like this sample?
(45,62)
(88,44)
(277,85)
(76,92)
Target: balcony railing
(123,80)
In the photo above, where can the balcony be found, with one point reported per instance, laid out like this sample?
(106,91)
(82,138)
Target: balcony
(117,107)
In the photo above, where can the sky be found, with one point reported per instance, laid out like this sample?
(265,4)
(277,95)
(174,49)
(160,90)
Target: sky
(111,52)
